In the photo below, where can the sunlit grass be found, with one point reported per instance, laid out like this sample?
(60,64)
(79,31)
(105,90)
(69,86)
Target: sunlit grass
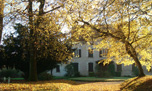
(58,85)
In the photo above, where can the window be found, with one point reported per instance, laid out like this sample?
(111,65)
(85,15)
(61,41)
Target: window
(77,52)
(103,52)
(90,67)
(90,52)
(119,67)
(57,68)
(100,53)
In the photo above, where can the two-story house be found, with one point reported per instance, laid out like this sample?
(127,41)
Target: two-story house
(86,58)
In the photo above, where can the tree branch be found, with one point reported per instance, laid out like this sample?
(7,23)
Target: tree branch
(104,33)
(53,9)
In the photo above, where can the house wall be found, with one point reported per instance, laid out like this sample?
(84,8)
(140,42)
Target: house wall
(126,70)
(62,71)
(84,60)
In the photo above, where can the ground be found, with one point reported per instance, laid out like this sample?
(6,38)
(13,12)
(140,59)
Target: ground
(137,84)
(99,86)
(61,85)
(133,84)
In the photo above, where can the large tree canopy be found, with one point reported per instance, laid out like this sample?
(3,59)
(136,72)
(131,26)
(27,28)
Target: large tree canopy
(123,25)
(43,25)
(32,12)
(17,51)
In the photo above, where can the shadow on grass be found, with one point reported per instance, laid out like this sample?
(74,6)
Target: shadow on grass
(74,80)
(97,79)
(137,84)
(145,86)
(70,82)
(129,83)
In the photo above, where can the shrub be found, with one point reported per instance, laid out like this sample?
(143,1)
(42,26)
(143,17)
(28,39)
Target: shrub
(91,74)
(100,73)
(135,71)
(118,74)
(111,69)
(71,71)
(45,76)
(77,74)
(107,73)
(13,73)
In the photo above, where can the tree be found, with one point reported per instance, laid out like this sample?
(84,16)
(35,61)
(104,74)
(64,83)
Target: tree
(123,26)
(32,14)
(17,51)
(1,56)
(1,17)
(33,32)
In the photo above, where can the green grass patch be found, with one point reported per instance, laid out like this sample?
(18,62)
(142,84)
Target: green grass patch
(60,77)
(137,84)
(94,79)
(17,78)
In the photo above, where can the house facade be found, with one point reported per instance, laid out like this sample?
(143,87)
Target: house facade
(86,58)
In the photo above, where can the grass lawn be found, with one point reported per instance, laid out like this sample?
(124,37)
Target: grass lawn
(94,79)
(17,78)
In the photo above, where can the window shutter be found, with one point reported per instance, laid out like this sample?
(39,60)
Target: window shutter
(79,52)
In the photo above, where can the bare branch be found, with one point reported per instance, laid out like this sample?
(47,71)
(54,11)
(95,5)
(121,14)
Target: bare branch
(53,9)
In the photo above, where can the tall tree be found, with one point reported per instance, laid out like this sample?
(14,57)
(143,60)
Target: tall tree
(34,26)
(1,16)
(17,52)
(31,12)
(123,26)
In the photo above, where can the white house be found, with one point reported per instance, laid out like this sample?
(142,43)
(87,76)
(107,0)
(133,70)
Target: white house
(86,59)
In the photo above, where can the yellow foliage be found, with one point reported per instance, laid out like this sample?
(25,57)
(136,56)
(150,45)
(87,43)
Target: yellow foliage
(112,24)
(58,85)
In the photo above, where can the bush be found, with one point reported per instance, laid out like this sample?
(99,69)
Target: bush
(111,69)
(91,74)
(107,73)
(13,73)
(71,72)
(135,71)
(45,76)
(77,74)
(100,73)
(118,74)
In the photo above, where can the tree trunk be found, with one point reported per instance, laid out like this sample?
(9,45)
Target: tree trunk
(132,52)
(33,66)
(51,71)
(138,64)
(33,62)
(1,17)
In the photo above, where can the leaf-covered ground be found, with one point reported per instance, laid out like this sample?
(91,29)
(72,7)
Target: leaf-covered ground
(137,84)
(61,85)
